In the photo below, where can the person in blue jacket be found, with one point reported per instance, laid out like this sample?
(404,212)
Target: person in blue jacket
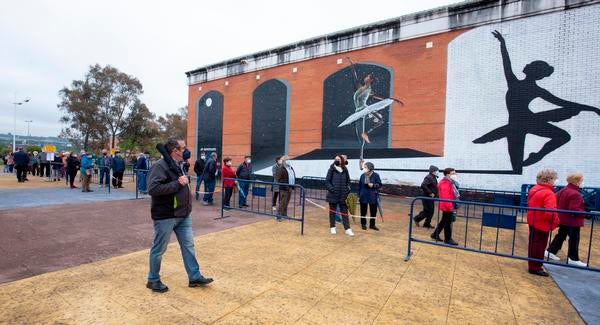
(368,192)
(118,167)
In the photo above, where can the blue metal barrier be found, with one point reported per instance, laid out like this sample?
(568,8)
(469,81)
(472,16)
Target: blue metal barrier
(499,230)
(591,196)
(260,203)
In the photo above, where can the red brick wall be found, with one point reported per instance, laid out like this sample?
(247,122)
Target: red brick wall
(419,79)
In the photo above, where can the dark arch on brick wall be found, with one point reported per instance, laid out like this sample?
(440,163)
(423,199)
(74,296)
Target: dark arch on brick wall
(270,122)
(209,123)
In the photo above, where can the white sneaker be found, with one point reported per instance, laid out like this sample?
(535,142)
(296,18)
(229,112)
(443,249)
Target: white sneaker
(551,256)
(274,208)
(576,263)
(332,230)
(349,232)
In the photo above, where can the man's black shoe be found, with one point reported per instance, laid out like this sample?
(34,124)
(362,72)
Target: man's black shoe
(364,227)
(202,281)
(428,226)
(245,205)
(417,222)
(157,286)
(451,242)
(374,228)
(437,238)
(539,272)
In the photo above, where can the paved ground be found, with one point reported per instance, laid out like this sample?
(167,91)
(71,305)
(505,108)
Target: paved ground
(265,273)
(582,288)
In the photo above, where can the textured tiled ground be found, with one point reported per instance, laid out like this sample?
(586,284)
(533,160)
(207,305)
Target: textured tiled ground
(267,273)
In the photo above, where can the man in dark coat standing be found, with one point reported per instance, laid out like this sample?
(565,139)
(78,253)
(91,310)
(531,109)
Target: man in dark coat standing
(430,189)
(21,162)
(209,176)
(199,169)
(244,172)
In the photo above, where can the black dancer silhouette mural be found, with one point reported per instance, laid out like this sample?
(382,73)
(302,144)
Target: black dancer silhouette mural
(522,121)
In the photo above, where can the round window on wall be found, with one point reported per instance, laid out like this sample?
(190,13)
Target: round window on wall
(208,102)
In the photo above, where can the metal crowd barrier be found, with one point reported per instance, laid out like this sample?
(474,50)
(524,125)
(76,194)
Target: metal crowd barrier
(501,230)
(591,195)
(259,201)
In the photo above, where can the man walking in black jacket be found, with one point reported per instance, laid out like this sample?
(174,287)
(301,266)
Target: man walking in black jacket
(209,177)
(244,172)
(199,169)
(21,161)
(170,209)
(430,189)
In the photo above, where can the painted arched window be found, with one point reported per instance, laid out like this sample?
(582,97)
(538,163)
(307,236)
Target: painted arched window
(270,122)
(339,104)
(209,125)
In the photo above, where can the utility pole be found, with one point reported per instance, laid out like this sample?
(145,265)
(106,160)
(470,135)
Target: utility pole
(28,133)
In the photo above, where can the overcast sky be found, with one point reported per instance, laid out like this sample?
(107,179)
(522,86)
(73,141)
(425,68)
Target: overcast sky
(44,45)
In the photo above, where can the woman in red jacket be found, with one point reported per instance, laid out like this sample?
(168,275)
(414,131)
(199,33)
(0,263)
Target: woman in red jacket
(447,191)
(228,184)
(541,223)
(569,198)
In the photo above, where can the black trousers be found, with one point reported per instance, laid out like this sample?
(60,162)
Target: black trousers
(275,195)
(344,212)
(427,213)
(446,225)
(363,212)
(72,174)
(561,236)
(227,198)
(21,173)
(117,180)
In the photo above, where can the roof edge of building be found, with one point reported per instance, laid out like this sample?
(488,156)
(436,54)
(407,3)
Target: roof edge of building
(433,21)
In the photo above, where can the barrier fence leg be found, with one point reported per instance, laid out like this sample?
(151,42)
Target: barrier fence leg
(137,179)
(302,202)
(410,225)
(223,216)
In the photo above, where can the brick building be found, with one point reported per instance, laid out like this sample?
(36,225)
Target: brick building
(461,107)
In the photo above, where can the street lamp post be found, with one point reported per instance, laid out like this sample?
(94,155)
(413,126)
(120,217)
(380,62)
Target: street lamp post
(26,100)
(28,133)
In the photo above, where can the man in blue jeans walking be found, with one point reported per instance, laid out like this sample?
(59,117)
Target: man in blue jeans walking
(209,176)
(170,210)
(244,172)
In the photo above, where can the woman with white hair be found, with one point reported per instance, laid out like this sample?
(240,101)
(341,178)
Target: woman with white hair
(569,198)
(541,222)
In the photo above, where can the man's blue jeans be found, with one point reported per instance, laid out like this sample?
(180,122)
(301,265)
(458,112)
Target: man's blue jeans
(142,181)
(245,186)
(162,233)
(104,176)
(198,182)
(209,188)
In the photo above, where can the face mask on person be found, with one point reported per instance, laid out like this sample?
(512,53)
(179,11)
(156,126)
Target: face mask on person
(280,162)
(581,184)
(453,177)
(337,163)
(203,157)
(436,173)
(90,156)
(186,154)
(104,153)
(248,161)
(229,163)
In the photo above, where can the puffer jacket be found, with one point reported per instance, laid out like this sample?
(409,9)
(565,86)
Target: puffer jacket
(542,196)
(338,185)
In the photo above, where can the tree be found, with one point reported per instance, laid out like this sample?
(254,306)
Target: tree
(100,106)
(140,130)
(119,92)
(174,125)
(81,111)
